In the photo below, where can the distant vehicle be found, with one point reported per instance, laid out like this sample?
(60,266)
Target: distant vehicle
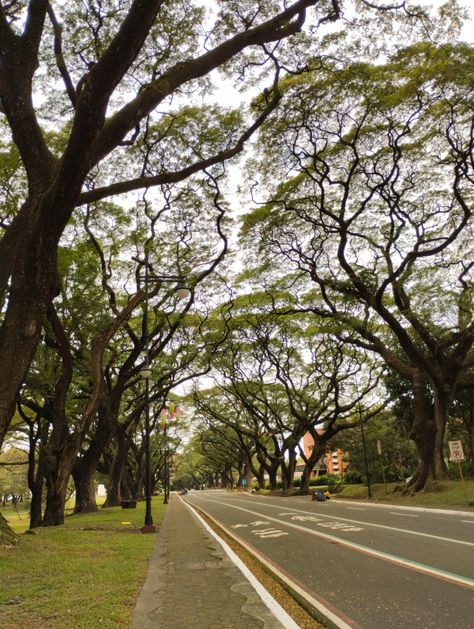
(183,492)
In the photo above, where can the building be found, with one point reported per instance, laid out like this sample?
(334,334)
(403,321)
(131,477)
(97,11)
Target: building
(334,463)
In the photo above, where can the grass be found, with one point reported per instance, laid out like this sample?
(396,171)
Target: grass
(442,495)
(82,575)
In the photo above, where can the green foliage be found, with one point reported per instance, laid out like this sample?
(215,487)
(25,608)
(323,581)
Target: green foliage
(398,451)
(13,478)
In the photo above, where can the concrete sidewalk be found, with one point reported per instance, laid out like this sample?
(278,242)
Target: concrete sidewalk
(192,583)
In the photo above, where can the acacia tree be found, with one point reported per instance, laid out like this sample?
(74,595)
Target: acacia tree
(279,378)
(124,62)
(378,217)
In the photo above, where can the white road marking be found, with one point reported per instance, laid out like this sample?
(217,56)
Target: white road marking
(357,509)
(404,515)
(378,554)
(373,524)
(468,521)
(334,524)
(269,533)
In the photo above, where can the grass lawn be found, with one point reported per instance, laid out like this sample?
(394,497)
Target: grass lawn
(443,495)
(83,575)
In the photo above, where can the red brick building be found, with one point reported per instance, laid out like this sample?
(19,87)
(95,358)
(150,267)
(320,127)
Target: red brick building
(333,460)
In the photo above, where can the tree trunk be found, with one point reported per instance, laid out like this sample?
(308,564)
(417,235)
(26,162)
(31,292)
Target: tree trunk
(441,410)
(114,489)
(427,432)
(84,476)
(316,453)
(272,478)
(36,472)
(58,469)
(85,467)
(33,285)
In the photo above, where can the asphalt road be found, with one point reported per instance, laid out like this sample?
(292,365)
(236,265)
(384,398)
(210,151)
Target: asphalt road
(374,567)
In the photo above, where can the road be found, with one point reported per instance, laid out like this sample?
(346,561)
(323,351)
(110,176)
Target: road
(373,567)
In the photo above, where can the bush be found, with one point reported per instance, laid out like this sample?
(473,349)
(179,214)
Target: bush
(320,480)
(352,477)
(335,483)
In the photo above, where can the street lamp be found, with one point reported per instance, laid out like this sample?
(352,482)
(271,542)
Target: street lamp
(145,373)
(182,292)
(369,490)
(167,414)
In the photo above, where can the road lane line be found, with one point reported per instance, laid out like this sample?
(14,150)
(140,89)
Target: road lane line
(364,523)
(468,521)
(404,515)
(378,554)
(357,509)
(317,604)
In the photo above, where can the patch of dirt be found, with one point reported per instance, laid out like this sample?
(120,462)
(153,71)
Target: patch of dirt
(107,529)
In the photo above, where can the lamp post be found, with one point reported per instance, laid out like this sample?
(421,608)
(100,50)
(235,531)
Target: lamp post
(364,448)
(182,292)
(369,490)
(167,414)
(145,373)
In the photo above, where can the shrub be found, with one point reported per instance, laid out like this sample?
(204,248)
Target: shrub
(320,480)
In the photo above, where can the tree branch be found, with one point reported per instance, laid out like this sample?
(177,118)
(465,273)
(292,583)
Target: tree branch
(179,175)
(58,53)
(279,27)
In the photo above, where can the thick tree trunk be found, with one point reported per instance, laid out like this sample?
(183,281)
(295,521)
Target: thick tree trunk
(83,476)
(316,453)
(428,433)
(287,476)
(58,469)
(441,410)
(85,467)
(258,472)
(272,478)
(114,489)
(36,471)
(33,285)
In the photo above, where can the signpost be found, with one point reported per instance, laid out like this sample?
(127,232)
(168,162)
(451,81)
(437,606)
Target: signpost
(456,454)
(455,451)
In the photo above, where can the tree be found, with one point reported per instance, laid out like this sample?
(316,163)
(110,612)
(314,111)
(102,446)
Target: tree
(378,217)
(398,452)
(13,475)
(124,62)
(278,378)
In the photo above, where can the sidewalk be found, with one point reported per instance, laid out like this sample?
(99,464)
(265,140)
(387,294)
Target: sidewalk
(191,582)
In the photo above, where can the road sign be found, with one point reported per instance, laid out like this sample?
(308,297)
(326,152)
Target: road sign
(455,451)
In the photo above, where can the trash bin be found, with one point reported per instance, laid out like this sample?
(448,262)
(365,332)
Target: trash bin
(129,504)
(318,494)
